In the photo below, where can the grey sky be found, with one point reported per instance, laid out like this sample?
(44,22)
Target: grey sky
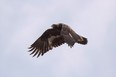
(22,22)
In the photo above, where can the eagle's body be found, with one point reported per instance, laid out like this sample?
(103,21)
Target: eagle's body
(54,37)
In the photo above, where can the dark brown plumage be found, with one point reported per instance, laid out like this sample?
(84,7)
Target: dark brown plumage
(54,37)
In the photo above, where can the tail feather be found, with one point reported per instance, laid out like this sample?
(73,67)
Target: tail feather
(82,40)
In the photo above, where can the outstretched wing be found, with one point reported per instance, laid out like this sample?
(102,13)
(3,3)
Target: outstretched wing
(39,47)
(50,38)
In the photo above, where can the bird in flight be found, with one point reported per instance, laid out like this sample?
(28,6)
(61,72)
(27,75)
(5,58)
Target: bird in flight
(57,35)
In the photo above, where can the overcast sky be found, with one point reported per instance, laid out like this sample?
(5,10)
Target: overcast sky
(23,21)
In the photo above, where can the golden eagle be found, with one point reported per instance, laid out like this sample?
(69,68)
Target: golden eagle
(57,35)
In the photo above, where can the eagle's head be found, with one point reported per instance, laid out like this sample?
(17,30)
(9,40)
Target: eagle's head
(57,26)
